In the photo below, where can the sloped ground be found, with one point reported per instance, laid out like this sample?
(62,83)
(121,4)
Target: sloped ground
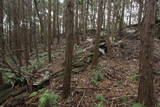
(119,84)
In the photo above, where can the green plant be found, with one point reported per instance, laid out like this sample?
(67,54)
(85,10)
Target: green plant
(123,99)
(93,81)
(33,94)
(38,92)
(99,105)
(100,97)
(137,105)
(98,76)
(135,77)
(48,98)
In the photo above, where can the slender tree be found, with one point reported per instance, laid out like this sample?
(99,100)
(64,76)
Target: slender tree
(109,7)
(76,21)
(99,27)
(49,31)
(145,95)
(69,46)
(1,37)
(140,2)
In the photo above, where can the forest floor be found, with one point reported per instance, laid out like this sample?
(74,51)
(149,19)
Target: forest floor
(114,83)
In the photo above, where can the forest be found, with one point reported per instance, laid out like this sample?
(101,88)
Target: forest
(79,53)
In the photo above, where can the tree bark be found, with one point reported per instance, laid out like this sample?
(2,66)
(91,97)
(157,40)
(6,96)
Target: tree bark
(99,27)
(69,27)
(76,22)
(108,26)
(49,32)
(145,94)
(1,38)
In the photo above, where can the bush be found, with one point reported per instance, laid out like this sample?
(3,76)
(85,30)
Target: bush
(48,98)
(100,97)
(98,76)
(137,105)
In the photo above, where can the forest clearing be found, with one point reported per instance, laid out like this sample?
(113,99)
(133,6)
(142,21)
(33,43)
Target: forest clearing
(79,53)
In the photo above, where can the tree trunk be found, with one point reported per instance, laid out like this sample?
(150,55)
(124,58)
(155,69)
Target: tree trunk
(40,21)
(54,22)
(1,37)
(108,26)
(16,21)
(57,20)
(69,27)
(140,11)
(122,18)
(99,27)
(49,32)
(130,16)
(76,22)
(146,88)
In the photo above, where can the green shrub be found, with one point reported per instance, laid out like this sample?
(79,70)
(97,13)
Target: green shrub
(33,94)
(48,98)
(98,76)
(135,77)
(100,105)
(100,97)
(38,92)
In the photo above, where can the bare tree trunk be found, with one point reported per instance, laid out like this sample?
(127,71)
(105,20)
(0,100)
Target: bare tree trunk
(24,32)
(16,31)
(104,15)
(54,22)
(140,11)
(99,27)
(76,22)
(108,26)
(57,19)
(1,38)
(86,18)
(122,18)
(49,32)
(40,21)
(35,36)
(146,88)
(130,16)
(69,27)
(30,9)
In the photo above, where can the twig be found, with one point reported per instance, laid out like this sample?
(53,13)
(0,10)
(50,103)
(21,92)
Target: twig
(81,98)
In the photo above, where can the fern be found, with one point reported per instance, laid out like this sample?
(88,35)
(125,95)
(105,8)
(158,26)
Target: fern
(33,94)
(99,105)
(98,76)
(48,98)
(100,97)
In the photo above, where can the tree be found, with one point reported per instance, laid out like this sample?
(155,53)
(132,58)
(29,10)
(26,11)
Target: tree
(99,27)
(16,21)
(69,26)
(140,2)
(49,32)
(1,37)
(76,21)
(145,94)
(109,7)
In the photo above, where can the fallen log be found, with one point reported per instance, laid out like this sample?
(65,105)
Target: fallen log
(5,86)
(79,65)
(5,94)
